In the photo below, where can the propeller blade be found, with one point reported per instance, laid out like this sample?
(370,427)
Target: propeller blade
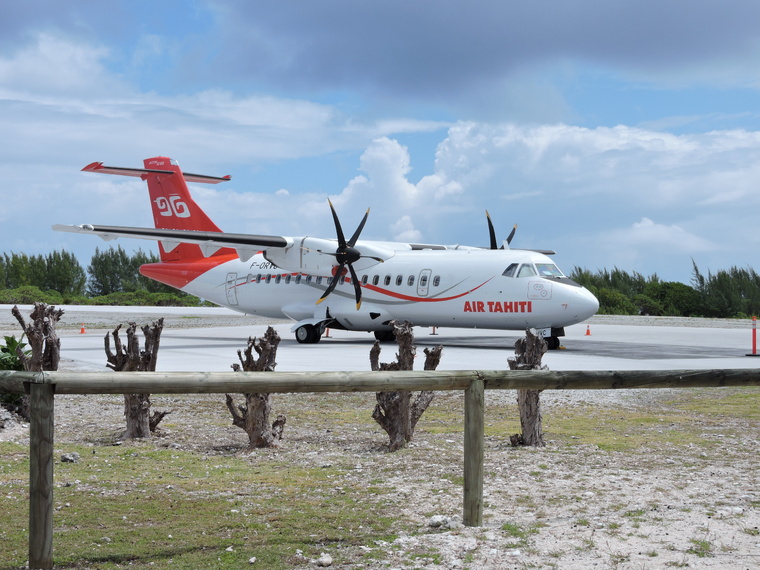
(357,286)
(338,229)
(511,234)
(491,231)
(352,241)
(333,284)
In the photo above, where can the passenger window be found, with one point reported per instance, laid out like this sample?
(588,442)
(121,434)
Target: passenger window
(410,281)
(399,280)
(526,270)
(423,280)
(342,279)
(436,281)
(287,278)
(278,279)
(319,280)
(510,271)
(268,278)
(365,278)
(387,280)
(375,279)
(308,279)
(258,278)
(298,279)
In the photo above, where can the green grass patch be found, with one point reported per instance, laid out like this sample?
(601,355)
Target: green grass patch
(139,506)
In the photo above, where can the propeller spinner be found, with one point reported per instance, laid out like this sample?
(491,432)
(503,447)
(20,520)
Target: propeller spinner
(346,255)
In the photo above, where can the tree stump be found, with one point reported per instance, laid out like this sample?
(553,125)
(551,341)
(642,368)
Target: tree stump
(140,422)
(253,416)
(528,354)
(43,343)
(395,411)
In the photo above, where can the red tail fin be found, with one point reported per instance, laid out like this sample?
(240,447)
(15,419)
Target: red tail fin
(174,208)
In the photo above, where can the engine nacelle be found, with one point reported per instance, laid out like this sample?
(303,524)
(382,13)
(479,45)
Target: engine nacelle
(315,256)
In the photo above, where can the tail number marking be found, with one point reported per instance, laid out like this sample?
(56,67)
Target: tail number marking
(173,206)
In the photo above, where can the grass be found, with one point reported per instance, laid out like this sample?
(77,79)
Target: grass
(140,504)
(132,505)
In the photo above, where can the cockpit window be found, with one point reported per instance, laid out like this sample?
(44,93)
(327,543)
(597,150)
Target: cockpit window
(548,270)
(510,271)
(526,270)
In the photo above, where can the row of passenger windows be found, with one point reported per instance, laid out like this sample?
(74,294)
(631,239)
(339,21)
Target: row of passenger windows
(299,278)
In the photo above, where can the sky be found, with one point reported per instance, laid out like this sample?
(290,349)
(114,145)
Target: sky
(619,134)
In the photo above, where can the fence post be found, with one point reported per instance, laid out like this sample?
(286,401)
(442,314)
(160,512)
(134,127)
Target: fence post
(41,406)
(474,435)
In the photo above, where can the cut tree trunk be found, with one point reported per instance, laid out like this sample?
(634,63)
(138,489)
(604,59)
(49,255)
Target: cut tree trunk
(253,416)
(528,354)
(43,342)
(140,422)
(395,411)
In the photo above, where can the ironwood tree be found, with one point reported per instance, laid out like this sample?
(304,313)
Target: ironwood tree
(253,416)
(395,411)
(130,358)
(44,344)
(528,354)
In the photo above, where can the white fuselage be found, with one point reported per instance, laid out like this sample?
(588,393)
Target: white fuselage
(460,288)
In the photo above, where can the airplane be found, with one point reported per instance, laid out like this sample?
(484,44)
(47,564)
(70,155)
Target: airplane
(341,283)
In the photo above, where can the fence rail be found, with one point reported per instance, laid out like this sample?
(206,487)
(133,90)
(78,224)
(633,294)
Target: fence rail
(42,387)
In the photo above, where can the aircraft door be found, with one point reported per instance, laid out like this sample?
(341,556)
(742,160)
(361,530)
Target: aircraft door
(423,283)
(232,289)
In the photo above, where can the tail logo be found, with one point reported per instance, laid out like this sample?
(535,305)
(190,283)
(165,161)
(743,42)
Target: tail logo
(173,206)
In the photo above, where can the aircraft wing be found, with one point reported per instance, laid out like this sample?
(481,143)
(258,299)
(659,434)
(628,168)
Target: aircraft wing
(246,245)
(310,253)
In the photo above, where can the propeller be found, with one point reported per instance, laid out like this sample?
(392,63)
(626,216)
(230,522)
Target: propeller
(492,233)
(346,255)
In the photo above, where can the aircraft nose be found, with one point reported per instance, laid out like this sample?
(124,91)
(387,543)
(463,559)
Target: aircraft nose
(588,305)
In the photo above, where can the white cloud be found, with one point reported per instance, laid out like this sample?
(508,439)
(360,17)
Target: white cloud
(404,230)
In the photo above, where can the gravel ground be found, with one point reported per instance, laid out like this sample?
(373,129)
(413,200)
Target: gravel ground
(576,506)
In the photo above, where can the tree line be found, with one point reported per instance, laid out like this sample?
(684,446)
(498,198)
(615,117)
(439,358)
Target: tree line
(111,278)
(732,293)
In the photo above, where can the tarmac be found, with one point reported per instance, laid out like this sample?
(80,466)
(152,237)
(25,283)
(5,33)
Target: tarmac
(207,339)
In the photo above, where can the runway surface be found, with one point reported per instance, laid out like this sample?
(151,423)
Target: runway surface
(188,345)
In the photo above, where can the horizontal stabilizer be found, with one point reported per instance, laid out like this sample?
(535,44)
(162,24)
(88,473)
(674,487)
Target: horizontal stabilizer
(99,167)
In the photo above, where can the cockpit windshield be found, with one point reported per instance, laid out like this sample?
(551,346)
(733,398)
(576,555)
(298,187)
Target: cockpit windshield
(530,270)
(548,270)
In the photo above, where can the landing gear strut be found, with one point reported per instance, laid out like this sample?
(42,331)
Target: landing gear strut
(308,334)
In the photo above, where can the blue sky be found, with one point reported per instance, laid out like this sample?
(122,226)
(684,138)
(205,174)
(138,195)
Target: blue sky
(619,134)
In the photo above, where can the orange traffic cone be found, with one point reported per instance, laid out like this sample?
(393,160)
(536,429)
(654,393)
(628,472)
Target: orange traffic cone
(82,331)
(588,330)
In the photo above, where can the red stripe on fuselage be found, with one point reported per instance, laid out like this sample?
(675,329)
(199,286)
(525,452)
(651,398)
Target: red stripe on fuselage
(180,273)
(421,299)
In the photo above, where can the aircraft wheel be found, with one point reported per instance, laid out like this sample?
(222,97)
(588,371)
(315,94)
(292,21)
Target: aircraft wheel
(552,342)
(308,334)
(385,336)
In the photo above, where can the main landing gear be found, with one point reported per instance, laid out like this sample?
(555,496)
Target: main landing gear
(385,336)
(308,334)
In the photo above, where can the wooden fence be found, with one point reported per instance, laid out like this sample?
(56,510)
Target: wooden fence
(42,387)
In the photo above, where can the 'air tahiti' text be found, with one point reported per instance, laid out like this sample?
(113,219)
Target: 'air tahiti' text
(498,307)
